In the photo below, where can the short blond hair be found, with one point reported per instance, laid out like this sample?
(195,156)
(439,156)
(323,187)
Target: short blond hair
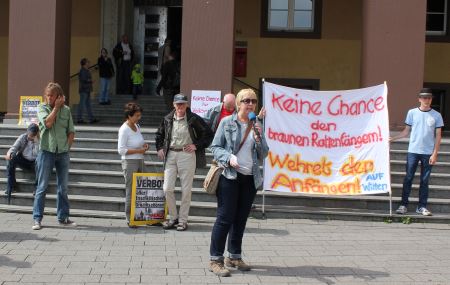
(244,93)
(54,87)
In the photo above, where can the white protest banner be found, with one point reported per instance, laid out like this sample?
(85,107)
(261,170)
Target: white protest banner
(327,142)
(203,100)
(28,109)
(148,202)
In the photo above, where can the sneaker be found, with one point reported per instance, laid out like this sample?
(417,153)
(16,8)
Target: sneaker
(37,226)
(238,263)
(423,211)
(67,222)
(217,267)
(81,122)
(170,224)
(182,227)
(402,210)
(93,121)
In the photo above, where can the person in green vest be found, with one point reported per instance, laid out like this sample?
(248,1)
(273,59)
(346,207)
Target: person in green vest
(137,76)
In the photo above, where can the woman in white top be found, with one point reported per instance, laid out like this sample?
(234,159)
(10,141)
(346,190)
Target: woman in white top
(131,147)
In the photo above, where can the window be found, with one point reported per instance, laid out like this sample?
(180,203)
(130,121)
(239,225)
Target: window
(437,17)
(291,18)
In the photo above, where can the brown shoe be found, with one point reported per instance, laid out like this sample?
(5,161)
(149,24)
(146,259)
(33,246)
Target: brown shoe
(217,267)
(238,263)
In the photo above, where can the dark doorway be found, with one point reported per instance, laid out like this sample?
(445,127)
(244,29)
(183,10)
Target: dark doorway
(174,24)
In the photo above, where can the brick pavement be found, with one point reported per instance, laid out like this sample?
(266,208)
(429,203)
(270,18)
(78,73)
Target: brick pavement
(101,251)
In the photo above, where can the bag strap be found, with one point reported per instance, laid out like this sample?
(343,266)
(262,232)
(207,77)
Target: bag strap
(247,131)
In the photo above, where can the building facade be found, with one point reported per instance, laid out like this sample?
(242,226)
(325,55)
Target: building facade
(228,45)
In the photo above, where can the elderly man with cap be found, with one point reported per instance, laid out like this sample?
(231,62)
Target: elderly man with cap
(181,140)
(23,154)
(425,125)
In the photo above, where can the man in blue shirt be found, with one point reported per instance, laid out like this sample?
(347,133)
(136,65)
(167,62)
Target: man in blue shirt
(425,125)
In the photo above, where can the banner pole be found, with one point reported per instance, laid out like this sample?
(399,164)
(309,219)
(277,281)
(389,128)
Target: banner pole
(390,203)
(263,191)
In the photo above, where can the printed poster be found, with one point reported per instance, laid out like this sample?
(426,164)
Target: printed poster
(148,202)
(28,109)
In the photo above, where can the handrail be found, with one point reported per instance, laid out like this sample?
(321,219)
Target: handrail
(76,74)
(246,84)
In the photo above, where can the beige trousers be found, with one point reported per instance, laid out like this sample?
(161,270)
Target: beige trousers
(182,164)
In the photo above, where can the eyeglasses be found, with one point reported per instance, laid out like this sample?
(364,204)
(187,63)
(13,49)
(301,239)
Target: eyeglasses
(247,101)
(426,97)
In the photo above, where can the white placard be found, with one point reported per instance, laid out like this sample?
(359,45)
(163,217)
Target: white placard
(203,100)
(327,142)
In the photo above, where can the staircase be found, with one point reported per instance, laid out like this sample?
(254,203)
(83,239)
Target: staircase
(112,115)
(97,187)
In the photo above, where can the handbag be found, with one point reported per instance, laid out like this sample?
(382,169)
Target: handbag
(212,177)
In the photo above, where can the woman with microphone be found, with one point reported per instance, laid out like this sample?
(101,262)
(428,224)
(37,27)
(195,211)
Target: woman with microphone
(239,146)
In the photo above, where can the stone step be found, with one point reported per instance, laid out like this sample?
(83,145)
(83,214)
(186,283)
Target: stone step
(403,145)
(283,212)
(369,202)
(117,190)
(111,120)
(111,204)
(435,178)
(97,176)
(398,154)
(439,179)
(439,167)
(7,142)
(113,165)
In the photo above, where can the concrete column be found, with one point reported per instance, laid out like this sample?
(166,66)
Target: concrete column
(207,45)
(39,48)
(393,49)
(110,30)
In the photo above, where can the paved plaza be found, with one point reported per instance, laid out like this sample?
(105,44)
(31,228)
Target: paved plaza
(282,252)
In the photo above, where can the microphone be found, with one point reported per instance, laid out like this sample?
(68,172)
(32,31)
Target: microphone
(252,118)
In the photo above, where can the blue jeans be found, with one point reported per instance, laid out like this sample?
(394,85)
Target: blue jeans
(45,162)
(104,90)
(234,202)
(85,103)
(17,160)
(412,161)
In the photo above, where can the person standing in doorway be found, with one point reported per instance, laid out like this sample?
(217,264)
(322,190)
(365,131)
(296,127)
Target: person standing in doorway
(106,72)
(123,55)
(57,135)
(170,80)
(425,125)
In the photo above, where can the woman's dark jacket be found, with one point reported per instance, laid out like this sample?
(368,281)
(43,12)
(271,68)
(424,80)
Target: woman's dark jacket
(105,67)
(199,131)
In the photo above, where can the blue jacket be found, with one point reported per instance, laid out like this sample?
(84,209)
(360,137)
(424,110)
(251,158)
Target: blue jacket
(227,141)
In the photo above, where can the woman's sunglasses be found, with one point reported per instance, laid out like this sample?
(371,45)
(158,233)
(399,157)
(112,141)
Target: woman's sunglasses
(247,101)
